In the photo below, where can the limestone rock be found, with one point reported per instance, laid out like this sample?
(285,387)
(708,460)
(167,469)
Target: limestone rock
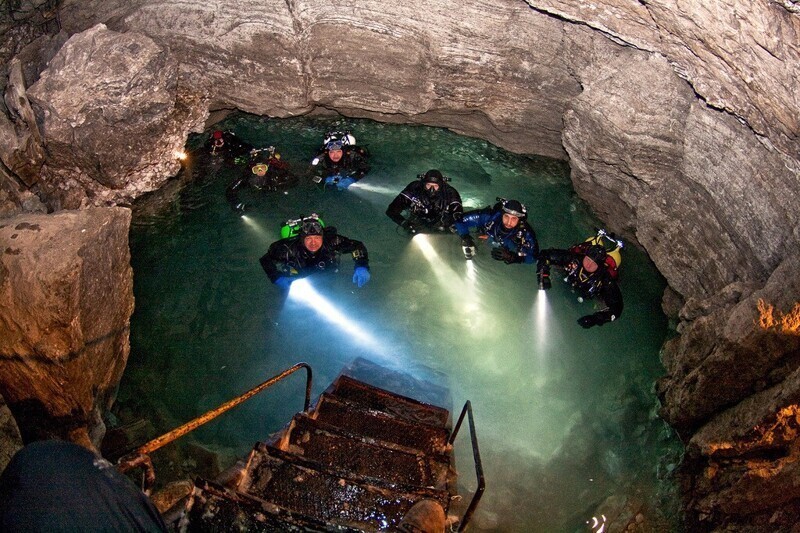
(624,133)
(745,462)
(404,63)
(732,351)
(112,117)
(10,440)
(66,296)
(22,149)
(741,56)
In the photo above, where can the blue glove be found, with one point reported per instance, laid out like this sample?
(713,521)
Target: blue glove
(345,183)
(284,282)
(333,179)
(361,276)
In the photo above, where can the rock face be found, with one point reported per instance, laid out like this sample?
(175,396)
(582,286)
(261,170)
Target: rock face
(10,439)
(404,62)
(66,297)
(112,118)
(679,120)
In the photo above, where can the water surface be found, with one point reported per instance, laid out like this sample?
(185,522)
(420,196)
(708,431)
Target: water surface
(566,417)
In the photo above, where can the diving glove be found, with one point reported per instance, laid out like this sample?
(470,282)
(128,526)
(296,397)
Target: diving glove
(410,228)
(284,282)
(589,321)
(345,183)
(468,246)
(361,276)
(506,255)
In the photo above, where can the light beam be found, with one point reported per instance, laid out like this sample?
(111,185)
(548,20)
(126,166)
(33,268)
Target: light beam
(376,189)
(254,225)
(542,316)
(303,292)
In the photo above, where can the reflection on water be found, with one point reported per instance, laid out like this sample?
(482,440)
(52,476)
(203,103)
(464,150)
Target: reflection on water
(565,416)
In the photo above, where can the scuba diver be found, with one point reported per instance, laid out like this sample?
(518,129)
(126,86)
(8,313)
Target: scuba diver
(513,239)
(311,247)
(431,204)
(340,162)
(227,145)
(264,172)
(592,271)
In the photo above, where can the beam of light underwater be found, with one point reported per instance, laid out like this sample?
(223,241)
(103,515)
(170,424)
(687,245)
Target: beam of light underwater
(472,272)
(303,292)
(463,293)
(255,226)
(361,187)
(542,315)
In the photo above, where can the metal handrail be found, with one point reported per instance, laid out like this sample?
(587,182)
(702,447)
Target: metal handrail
(476,455)
(140,456)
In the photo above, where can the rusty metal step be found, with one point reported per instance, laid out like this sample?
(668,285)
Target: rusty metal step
(374,424)
(293,484)
(213,507)
(400,406)
(339,451)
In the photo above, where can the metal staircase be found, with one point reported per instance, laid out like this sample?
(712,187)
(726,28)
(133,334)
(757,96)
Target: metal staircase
(359,460)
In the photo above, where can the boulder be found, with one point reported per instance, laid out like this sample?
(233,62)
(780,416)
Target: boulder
(112,117)
(66,297)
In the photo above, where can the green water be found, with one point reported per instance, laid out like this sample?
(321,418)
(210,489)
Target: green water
(565,416)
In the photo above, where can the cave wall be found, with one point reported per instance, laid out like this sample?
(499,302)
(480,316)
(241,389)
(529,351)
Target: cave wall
(659,106)
(404,62)
(679,120)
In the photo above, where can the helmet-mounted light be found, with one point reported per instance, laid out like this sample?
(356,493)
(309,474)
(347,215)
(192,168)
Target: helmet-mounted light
(513,207)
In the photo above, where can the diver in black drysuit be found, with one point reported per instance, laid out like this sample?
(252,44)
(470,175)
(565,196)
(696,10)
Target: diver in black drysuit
(227,145)
(341,165)
(264,172)
(56,485)
(314,249)
(590,274)
(431,205)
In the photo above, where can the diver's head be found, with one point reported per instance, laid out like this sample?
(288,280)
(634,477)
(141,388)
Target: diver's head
(216,139)
(434,182)
(595,256)
(335,151)
(311,233)
(312,243)
(513,213)
(260,169)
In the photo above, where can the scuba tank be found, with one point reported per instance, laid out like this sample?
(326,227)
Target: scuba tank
(291,228)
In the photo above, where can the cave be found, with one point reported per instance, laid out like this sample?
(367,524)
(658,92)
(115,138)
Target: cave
(678,121)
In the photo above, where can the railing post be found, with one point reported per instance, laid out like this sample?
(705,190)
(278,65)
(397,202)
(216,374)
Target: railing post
(476,456)
(140,456)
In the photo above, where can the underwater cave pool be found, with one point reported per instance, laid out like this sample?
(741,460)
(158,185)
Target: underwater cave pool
(566,418)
